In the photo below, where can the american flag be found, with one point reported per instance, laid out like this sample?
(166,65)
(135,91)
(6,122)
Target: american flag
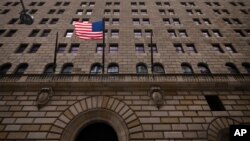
(89,31)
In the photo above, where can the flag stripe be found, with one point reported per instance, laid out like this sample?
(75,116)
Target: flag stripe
(84,31)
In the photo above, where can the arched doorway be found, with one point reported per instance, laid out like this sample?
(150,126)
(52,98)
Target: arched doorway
(98,131)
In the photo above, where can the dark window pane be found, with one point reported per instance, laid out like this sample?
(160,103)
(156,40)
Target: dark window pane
(214,103)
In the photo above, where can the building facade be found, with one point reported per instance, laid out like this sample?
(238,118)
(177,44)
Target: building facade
(197,86)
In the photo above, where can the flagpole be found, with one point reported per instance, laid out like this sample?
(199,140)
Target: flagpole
(152,56)
(103,43)
(55,54)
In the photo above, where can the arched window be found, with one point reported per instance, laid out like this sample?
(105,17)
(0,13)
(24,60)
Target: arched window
(203,68)
(113,69)
(21,68)
(49,69)
(246,66)
(4,68)
(158,68)
(96,69)
(67,68)
(141,68)
(232,68)
(97,132)
(186,68)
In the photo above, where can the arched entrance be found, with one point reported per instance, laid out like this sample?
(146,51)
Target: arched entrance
(98,131)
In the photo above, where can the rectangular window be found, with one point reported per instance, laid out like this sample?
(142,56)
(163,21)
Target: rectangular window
(61,48)
(144,11)
(74,20)
(183,33)
(54,21)
(34,33)
(99,48)
(236,21)
(74,48)
(136,22)
(139,48)
(60,11)
(69,33)
(230,48)
(79,12)
(214,103)
(137,33)
(2,31)
(66,3)
(10,33)
(178,48)
(58,3)
(217,33)
(113,48)
(227,21)
(116,12)
(41,3)
(239,33)
(44,21)
(91,4)
(107,12)
(217,48)
(207,21)
(171,11)
(145,21)
(13,21)
(154,48)
(172,33)
(83,4)
(34,48)
(52,11)
(166,21)
(5,11)
(176,21)
(196,21)
(205,33)
(191,48)
(45,33)
(115,21)
(89,12)
(134,12)
(33,11)
(148,33)
(114,33)
(162,11)
(21,48)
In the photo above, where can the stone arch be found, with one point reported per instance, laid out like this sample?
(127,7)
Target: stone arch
(219,124)
(97,108)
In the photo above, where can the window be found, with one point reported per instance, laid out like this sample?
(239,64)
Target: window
(74,20)
(217,33)
(21,48)
(74,48)
(33,11)
(217,48)
(54,21)
(176,21)
(139,48)
(198,12)
(49,69)
(186,68)
(5,68)
(61,48)
(10,33)
(83,4)
(115,21)
(5,11)
(162,11)
(34,33)
(178,48)
(236,21)
(51,11)
(239,33)
(69,33)
(136,22)
(207,21)
(230,48)
(232,68)
(99,48)
(113,69)
(191,48)
(145,21)
(116,12)
(166,21)
(91,4)
(114,33)
(41,3)
(205,33)
(44,21)
(13,21)
(214,103)
(45,33)
(66,3)
(227,21)
(148,33)
(34,48)
(189,11)
(144,12)
(158,69)
(60,11)
(137,33)
(2,31)
(21,68)
(246,66)
(183,33)
(154,48)
(196,21)
(58,3)
(89,12)
(107,12)
(67,68)
(134,12)
(172,33)
(171,11)
(96,69)
(141,68)
(203,68)
(113,48)
(7,3)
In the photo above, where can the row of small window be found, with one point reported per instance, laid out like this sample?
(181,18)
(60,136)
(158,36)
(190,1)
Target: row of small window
(35,47)
(113,68)
(30,11)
